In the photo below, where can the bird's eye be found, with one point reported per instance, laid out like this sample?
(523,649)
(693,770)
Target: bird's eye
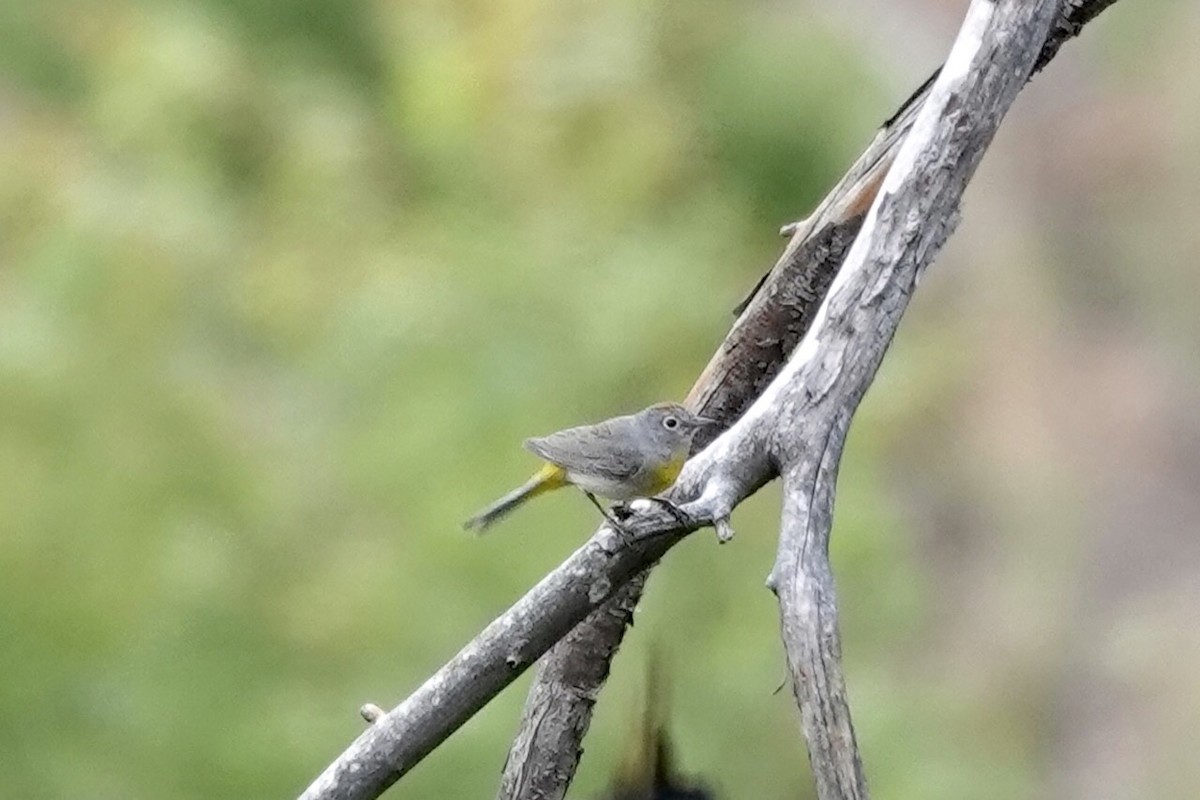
(670,423)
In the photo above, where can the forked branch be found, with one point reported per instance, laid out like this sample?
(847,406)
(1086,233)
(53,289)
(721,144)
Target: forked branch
(711,485)
(915,211)
(819,379)
(558,710)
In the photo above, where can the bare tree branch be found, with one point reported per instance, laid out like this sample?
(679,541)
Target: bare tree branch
(546,751)
(713,482)
(399,739)
(711,485)
(582,671)
(778,312)
(915,212)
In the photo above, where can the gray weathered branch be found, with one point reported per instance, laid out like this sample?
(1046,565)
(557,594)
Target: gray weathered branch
(399,739)
(916,209)
(778,314)
(558,710)
(582,673)
(711,485)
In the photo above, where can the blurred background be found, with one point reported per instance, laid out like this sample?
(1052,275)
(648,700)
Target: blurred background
(283,286)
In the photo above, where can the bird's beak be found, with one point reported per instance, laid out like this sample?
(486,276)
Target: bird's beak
(708,422)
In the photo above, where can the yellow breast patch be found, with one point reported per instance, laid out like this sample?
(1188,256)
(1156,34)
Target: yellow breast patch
(664,476)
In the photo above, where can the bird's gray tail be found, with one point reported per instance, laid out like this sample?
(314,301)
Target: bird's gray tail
(546,479)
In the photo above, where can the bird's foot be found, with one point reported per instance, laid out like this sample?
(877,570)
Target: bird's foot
(678,514)
(621,511)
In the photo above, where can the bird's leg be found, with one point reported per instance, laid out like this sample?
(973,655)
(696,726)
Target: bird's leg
(616,525)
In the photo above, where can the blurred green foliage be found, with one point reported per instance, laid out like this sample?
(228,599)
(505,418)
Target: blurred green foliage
(283,286)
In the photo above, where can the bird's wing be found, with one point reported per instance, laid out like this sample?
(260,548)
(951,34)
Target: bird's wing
(597,450)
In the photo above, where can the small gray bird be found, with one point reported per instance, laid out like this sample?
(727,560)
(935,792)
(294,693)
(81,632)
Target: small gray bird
(638,455)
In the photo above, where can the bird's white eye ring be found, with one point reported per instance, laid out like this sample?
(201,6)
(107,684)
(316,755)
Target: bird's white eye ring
(670,423)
